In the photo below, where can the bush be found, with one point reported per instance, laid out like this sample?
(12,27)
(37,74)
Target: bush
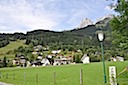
(77,58)
(95,58)
(10,64)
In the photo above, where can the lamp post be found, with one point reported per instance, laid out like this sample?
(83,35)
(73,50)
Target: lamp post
(101,38)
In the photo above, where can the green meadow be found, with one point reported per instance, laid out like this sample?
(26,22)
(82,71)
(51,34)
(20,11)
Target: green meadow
(8,50)
(63,75)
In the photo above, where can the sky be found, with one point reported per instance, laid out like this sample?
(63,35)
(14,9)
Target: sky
(56,15)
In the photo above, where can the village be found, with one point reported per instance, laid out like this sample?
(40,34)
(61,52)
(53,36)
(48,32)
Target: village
(54,58)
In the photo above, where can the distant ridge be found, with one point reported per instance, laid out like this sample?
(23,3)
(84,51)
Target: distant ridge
(87,22)
(107,17)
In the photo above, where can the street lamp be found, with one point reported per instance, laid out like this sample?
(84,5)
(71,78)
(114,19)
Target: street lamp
(101,38)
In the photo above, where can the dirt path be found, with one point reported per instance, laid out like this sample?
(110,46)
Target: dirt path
(2,83)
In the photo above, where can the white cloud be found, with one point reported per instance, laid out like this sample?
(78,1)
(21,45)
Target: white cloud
(26,15)
(21,14)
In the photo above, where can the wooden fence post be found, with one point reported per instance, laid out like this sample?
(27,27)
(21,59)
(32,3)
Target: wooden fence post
(24,76)
(36,78)
(81,77)
(6,75)
(0,75)
(54,78)
(13,76)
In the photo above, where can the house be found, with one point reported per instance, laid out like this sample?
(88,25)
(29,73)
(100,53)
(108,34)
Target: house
(34,53)
(56,51)
(39,57)
(49,56)
(85,59)
(117,58)
(20,60)
(28,64)
(120,58)
(23,61)
(15,62)
(113,59)
(45,62)
(61,61)
(38,48)
(36,63)
(40,61)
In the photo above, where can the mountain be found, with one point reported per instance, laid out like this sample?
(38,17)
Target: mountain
(85,22)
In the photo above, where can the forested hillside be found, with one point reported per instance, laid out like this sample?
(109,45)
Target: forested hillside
(73,37)
(46,37)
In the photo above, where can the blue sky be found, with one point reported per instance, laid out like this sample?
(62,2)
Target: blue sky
(57,15)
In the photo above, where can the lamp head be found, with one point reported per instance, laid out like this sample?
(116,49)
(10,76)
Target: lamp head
(100,35)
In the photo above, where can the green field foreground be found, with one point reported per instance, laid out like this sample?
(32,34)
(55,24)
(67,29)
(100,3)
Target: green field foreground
(62,75)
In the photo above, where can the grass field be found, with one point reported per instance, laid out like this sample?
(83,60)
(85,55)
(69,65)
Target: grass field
(65,74)
(10,47)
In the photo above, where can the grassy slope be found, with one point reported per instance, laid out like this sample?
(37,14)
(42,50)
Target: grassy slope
(65,75)
(11,47)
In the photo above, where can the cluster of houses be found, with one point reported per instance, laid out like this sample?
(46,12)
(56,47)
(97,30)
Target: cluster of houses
(118,58)
(20,60)
(49,60)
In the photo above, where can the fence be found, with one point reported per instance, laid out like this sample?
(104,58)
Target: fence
(58,78)
(37,79)
(123,79)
